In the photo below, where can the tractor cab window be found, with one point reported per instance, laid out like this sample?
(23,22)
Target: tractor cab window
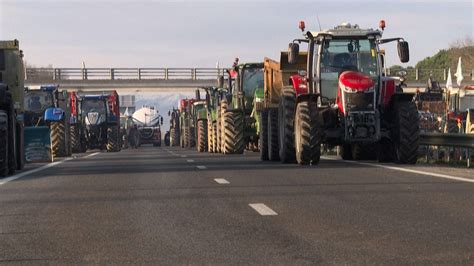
(252,79)
(38,101)
(91,106)
(339,55)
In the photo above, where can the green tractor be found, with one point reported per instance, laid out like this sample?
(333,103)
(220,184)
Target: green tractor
(186,125)
(239,110)
(12,78)
(199,121)
(214,96)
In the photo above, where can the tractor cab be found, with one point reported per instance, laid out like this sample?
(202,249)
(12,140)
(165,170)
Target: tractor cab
(41,103)
(247,80)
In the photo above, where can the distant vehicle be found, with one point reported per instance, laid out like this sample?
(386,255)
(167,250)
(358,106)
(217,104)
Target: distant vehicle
(47,117)
(149,122)
(12,80)
(102,120)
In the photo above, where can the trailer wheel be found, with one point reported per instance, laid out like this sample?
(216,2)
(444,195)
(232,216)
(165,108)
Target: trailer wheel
(272,123)
(263,139)
(307,133)
(406,132)
(286,118)
(113,144)
(233,133)
(3,143)
(202,136)
(58,139)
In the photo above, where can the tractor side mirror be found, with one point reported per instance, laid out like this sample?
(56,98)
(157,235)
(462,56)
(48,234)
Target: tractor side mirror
(403,51)
(161,121)
(293,52)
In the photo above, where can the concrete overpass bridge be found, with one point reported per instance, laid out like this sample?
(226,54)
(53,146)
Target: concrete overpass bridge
(162,79)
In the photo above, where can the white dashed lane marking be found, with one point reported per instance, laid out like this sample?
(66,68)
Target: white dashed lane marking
(201,167)
(190,161)
(221,181)
(262,209)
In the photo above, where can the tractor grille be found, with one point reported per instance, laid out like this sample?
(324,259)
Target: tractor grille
(359,101)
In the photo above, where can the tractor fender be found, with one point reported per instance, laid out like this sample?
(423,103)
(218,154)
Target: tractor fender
(54,114)
(307,97)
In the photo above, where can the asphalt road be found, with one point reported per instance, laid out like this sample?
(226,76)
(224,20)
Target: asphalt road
(165,206)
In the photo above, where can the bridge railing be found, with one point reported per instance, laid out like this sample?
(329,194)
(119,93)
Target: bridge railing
(122,73)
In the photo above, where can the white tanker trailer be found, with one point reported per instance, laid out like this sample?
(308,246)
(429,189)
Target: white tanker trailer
(148,122)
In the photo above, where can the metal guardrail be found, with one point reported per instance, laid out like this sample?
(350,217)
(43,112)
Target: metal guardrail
(444,139)
(122,73)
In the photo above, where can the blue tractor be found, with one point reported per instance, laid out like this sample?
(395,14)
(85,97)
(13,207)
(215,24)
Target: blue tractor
(46,123)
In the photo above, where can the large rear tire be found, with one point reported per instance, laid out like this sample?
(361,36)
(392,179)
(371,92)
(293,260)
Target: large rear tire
(192,137)
(307,133)
(75,139)
(3,143)
(406,133)
(286,118)
(220,127)
(233,133)
(272,123)
(210,136)
(58,139)
(113,144)
(263,139)
(202,136)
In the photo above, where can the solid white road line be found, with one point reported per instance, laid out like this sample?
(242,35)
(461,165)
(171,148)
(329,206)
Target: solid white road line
(262,209)
(457,178)
(221,181)
(201,167)
(92,154)
(190,161)
(20,175)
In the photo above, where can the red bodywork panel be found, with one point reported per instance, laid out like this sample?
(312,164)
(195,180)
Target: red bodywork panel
(355,81)
(73,103)
(299,84)
(387,91)
(184,103)
(113,101)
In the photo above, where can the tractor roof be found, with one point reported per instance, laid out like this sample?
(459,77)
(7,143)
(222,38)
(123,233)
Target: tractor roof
(251,65)
(348,30)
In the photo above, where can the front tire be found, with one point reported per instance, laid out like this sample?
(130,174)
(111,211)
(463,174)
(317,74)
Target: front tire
(307,133)
(406,133)
(202,136)
(58,139)
(233,133)
(113,144)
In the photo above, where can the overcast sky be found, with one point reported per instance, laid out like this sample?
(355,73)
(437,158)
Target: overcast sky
(147,33)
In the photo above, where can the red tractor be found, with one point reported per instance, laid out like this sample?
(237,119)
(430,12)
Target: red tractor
(343,99)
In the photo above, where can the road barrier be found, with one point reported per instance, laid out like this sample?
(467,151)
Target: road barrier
(450,140)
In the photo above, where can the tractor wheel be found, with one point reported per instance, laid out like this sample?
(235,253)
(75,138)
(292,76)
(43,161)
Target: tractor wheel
(58,139)
(174,137)
(215,136)
(210,137)
(187,138)
(3,143)
(202,136)
(345,151)
(12,145)
(286,118)
(192,138)
(272,123)
(220,127)
(75,139)
(307,133)
(263,139)
(233,133)
(406,133)
(113,144)
(20,146)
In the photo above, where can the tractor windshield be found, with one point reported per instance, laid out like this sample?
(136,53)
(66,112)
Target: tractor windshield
(339,55)
(38,101)
(252,79)
(93,105)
